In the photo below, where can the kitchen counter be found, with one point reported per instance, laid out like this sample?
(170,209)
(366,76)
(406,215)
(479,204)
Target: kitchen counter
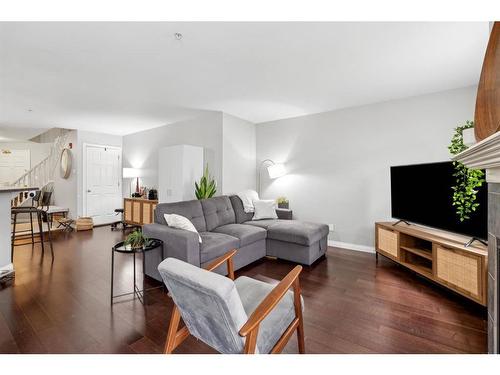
(6,195)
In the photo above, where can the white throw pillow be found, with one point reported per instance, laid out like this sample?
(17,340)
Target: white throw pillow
(264,209)
(180,222)
(247,197)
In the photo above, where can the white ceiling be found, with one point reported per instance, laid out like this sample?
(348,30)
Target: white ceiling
(124,77)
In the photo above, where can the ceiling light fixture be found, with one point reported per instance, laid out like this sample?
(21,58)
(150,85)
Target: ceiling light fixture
(178,36)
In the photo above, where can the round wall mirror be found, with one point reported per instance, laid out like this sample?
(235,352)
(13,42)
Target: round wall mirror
(65,163)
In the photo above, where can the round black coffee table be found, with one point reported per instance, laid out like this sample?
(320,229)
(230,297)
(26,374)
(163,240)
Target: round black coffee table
(126,249)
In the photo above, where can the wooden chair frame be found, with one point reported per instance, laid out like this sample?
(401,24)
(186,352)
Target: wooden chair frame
(250,329)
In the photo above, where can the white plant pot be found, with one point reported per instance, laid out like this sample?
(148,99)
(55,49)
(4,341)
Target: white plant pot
(469,137)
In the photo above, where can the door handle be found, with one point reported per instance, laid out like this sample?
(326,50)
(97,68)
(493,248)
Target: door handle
(89,191)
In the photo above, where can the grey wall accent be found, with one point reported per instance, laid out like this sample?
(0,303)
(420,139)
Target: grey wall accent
(338,162)
(140,150)
(239,155)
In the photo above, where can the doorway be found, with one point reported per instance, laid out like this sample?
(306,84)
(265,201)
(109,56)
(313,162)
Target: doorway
(102,191)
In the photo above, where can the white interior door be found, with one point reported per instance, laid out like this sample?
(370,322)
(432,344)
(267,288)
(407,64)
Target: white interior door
(13,164)
(103,192)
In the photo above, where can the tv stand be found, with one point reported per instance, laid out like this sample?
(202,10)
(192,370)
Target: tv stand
(442,257)
(400,221)
(471,241)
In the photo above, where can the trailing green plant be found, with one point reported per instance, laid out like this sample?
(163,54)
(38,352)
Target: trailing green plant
(207,186)
(466,180)
(136,240)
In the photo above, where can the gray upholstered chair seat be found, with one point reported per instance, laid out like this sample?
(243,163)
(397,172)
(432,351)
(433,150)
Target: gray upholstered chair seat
(247,234)
(214,245)
(252,292)
(299,232)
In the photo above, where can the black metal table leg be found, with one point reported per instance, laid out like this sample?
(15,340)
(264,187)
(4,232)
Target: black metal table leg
(13,238)
(143,278)
(40,228)
(32,234)
(135,287)
(50,239)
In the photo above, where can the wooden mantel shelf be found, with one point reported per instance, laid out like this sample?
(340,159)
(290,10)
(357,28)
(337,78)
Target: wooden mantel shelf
(482,155)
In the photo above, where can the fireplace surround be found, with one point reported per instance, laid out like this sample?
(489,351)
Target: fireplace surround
(486,155)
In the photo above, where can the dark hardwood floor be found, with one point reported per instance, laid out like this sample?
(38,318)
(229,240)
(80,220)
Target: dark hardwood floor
(352,305)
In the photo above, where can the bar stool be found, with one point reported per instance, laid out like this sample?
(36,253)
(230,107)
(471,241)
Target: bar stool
(40,215)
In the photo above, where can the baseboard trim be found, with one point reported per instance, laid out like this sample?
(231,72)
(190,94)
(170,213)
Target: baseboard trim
(352,246)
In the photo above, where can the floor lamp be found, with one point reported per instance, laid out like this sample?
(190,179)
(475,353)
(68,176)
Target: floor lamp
(274,170)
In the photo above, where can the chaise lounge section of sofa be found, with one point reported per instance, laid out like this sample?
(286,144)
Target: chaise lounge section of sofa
(223,225)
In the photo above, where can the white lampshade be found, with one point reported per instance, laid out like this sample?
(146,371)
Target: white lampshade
(276,170)
(132,172)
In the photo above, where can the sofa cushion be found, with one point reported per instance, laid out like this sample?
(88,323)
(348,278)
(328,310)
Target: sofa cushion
(247,234)
(218,211)
(300,232)
(265,223)
(214,245)
(241,215)
(191,210)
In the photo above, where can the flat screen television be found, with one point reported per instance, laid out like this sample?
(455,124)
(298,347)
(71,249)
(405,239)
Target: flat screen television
(422,194)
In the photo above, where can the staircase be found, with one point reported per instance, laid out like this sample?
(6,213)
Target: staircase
(42,173)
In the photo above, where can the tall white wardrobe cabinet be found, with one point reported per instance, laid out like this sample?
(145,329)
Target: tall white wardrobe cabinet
(178,168)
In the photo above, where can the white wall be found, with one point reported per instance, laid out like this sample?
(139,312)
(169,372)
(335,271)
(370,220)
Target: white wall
(338,162)
(65,190)
(140,150)
(38,151)
(239,155)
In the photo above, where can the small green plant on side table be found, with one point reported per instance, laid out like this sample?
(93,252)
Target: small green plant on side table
(136,240)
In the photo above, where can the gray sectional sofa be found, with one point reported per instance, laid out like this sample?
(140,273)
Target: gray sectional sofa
(224,225)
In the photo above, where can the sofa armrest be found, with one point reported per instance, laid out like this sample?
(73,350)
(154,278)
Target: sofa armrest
(177,243)
(284,213)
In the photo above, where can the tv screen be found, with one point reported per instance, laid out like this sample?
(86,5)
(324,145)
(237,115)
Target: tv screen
(422,194)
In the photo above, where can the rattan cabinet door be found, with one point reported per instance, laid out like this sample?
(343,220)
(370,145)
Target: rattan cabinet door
(459,270)
(388,242)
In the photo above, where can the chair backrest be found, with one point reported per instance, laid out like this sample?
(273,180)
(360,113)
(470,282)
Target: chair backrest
(36,198)
(45,201)
(208,303)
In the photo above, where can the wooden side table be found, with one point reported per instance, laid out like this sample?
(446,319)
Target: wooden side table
(284,213)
